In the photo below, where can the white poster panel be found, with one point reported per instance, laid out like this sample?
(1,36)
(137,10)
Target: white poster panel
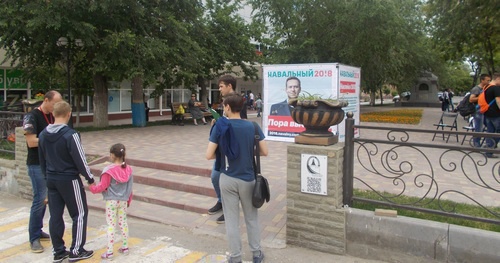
(349,89)
(313,174)
(284,82)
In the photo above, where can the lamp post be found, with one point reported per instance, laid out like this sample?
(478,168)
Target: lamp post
(472,74)
(64,42)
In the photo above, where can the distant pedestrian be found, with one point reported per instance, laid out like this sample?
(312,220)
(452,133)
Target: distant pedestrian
(445,103)
(62,160)
(450,96)
(251,99)
(258,106)
(116,188)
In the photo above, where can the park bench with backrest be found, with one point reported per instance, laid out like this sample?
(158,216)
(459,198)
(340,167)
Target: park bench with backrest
(178,119)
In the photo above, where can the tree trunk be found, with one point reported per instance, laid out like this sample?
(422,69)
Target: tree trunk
(372,97)
(203,91)
(381,96)
(138,103)
(100,101)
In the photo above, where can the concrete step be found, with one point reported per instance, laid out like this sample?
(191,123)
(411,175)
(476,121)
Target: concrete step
(185,182)
(163,190)
(153,212)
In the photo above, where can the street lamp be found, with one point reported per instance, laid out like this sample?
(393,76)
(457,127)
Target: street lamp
(64,42)
(472,74)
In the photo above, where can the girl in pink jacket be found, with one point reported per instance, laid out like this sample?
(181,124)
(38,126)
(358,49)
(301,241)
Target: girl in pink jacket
(116,188)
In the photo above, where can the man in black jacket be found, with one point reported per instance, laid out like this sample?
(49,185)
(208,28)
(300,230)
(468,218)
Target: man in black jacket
(62,160)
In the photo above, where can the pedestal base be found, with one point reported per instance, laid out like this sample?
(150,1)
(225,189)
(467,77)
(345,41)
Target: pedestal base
(324,141)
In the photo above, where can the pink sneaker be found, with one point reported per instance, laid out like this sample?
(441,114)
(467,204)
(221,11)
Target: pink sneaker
(107,255)
(123,250)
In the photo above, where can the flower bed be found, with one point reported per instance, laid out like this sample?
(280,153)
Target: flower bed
(403,116)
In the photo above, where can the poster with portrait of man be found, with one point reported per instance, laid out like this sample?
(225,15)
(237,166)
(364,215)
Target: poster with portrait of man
(282,83)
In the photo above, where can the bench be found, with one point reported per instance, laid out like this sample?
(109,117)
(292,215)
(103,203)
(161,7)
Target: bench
(178,119)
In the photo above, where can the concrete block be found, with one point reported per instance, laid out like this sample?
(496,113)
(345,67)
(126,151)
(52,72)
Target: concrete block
(419,238)
(473,245)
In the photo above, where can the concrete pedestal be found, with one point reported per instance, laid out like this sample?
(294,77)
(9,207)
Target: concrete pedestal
(316,221)
(324,141)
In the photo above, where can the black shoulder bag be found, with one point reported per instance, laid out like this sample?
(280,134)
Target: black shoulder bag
(261,191)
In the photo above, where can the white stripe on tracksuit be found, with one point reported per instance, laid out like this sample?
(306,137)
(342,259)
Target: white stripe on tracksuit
(81,214)
(76,138)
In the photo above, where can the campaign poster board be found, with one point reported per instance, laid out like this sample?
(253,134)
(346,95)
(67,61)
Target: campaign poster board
(349,89)
(316,79)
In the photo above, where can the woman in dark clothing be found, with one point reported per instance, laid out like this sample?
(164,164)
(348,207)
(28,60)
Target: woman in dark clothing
(194,108)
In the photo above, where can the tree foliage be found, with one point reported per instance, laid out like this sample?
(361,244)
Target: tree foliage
(466,29)
(385,38)
(150,42)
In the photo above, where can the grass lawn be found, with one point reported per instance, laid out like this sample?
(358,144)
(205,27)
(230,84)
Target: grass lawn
(466,209)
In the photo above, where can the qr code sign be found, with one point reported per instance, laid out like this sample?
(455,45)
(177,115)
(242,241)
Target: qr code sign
(313,185)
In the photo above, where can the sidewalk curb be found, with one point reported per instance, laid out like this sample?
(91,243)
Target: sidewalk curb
(417,240)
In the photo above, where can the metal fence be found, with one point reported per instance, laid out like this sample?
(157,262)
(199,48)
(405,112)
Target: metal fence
(8,123)
(399,162)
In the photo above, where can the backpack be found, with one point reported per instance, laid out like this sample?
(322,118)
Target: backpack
(482,104)
(465,107)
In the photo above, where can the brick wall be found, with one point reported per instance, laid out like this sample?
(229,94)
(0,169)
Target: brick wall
(316,221)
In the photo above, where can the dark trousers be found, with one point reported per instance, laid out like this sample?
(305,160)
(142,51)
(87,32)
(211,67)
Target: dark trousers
(69,194)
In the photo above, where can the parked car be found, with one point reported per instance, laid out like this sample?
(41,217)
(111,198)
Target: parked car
(405,95)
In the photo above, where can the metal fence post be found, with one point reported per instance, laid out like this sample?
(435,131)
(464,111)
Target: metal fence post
(348,160)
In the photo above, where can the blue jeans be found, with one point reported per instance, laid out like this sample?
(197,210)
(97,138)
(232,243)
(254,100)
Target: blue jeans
(215,182)
(492,126)
(478,127)
(37,212)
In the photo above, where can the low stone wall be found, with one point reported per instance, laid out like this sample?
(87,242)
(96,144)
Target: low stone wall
(405,239)
(14,177)
(23,180)
(8,172)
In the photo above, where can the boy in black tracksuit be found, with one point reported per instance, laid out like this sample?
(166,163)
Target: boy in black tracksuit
(62,160)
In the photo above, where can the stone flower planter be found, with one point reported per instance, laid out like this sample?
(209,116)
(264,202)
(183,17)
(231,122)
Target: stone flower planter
(29,105)
(317,116)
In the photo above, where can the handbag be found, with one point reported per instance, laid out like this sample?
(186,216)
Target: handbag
(180,110)
(261,190)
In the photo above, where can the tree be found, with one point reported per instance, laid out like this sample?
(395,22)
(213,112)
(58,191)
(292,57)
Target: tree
(122,39)
(161,42)
(385,38)
(466,30)
(223,39)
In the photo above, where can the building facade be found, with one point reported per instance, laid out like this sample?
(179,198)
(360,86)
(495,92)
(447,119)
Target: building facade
(14,88)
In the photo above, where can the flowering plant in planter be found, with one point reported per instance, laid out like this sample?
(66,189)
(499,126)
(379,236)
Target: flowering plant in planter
(39,96)
(317,114)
